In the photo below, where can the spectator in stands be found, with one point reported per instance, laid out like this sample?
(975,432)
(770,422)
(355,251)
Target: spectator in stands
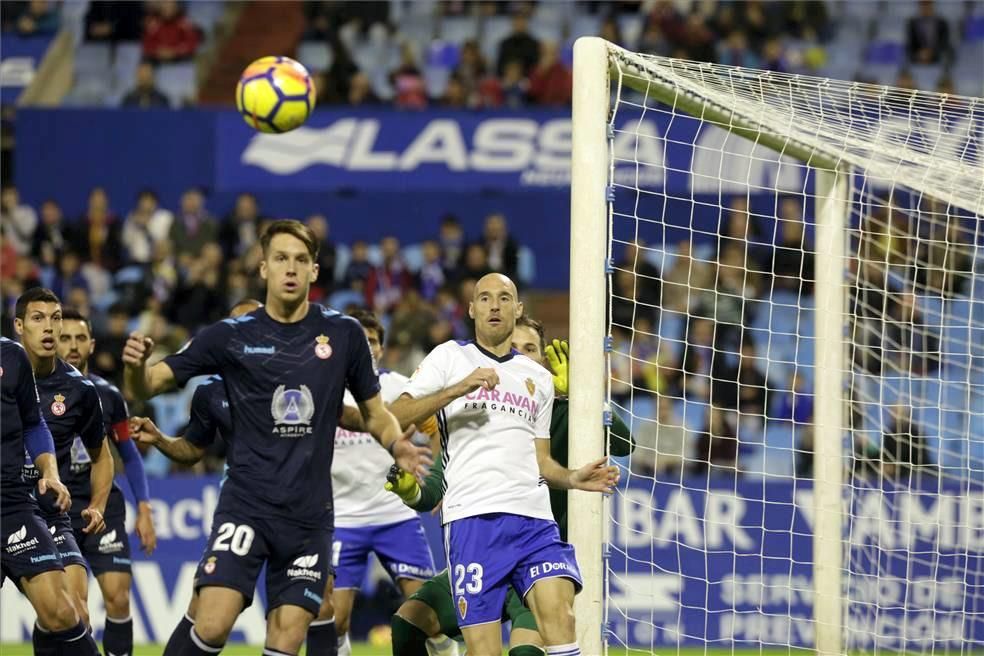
(501,248)
(760,21)
(774,56)
(653,41)
(644,279)
(664,15)
(360,93)
(38,17)
(169,36)
(905,80)
(327,255)
(928,40)
(408,81)
(340,73)
(663,445)
(69,275)
(359,267)
(805,19)
(698,359)
(412,319)
(550,80)
(515,85)
(96,236)
(717,446)
(193,226)
(451,239)
(796,404)
(455,94)
(18,220)
(475,264)
(735,51)
(431,277)
(519,46)
(610,31)
(698,39)
(138,237)
(905,454)
(793,261)
(201,293)
(50,239)
(145,94)
(388,282)
(241,228)
(471,69)
(909,343)
(114,21)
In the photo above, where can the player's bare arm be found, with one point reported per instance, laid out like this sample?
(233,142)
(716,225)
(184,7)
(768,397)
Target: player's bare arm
(351,419)
(385,428)
(178,449)
(597,476)
(101,480)
(139,380)
(409,410)
(50,481)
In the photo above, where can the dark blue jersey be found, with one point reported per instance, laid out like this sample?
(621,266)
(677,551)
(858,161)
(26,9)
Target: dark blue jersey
(285,384)
(210,414)
(70,405)
(115,413)
(20,410)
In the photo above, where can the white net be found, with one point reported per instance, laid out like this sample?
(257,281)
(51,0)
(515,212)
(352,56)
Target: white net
(713,203)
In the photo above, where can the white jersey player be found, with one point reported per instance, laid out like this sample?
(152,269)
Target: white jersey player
(368,519)
(494,406)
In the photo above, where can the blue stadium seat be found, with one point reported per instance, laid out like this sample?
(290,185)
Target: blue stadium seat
(494,30)
(547,30)
(315,55)
(631,26)
(436,80)
(974,29)
(926,76)
(526,265)
(177,81)
(94,58)
(205,15)
(885,53)
(125,62)
(443,54)
(458,28)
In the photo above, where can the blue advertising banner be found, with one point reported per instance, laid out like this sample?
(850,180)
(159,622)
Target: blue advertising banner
(19,61)
(689,564)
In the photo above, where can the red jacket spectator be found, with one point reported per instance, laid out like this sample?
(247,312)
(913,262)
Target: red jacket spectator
(550,81)
(169,35)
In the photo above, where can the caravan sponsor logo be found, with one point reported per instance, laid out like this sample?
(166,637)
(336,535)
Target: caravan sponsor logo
(302,568)
(109,543)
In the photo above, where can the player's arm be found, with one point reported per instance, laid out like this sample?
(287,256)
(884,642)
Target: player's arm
(410,492)
(383,426)
(597,476)
(101,482)
(620,441)
(351,419)
(136,477)
(412,408)
(178,449)
(139,380)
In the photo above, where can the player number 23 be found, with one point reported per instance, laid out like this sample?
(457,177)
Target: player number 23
(237,539)
(474,584)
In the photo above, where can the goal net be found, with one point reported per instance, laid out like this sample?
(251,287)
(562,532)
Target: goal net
(789,307)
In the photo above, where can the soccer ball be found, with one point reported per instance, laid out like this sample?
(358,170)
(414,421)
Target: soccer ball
(275,94)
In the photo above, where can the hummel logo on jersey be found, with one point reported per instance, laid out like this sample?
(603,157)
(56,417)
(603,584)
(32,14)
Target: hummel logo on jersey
(17,535)
(302,568)
(259,350)
(306,561)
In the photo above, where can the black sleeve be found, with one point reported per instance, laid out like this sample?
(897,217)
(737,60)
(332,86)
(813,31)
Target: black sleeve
(92,429)
(28,401)
(203,355)
(202,425)
(360,377)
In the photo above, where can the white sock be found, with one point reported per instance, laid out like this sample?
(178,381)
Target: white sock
(564,650)
(442,646)
(344,646)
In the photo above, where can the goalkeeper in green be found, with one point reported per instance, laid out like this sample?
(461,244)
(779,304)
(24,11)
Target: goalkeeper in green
(430,611)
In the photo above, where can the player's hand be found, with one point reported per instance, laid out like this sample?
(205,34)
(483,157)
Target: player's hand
(63,500)
(403,485)
(137,349)
(410,457)
(144,431)
(95,523)
(145,528)
(597,476)
(482,377)
(558,355)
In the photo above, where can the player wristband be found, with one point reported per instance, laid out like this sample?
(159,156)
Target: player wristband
(389,449)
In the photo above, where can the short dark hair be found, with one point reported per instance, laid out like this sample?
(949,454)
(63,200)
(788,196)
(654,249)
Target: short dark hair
(369,321)
(34,295)
(73,314)
(246,301)
(530,322)
(293,228)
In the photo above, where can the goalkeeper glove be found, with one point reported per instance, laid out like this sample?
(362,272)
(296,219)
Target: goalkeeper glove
(558,355)
(403,485)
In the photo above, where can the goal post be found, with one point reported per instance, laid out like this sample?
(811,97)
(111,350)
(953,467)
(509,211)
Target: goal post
(831,234)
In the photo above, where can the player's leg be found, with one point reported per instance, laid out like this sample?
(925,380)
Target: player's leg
(350,557)
(182,632)
(76,566)
(427,618)
(118,633)
(322,639)
(524,638)
(78,589)
(297,572)
(552,603)
(108,555)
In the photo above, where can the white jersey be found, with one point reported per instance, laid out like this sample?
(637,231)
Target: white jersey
(359,469)
(487,437)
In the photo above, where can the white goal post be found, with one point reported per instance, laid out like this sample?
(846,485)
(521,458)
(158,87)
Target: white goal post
(857,148)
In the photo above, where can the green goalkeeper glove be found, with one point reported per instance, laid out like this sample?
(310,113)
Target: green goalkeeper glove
(558,355)
(403,485)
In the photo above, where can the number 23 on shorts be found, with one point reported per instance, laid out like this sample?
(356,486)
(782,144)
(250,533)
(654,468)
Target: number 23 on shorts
(468,578)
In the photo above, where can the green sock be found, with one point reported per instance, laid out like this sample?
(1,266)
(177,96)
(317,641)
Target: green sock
(408,640)
(526,650)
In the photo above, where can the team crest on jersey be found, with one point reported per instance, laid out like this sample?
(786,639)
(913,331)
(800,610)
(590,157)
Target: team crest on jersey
(462,607)
(209,565)
(530,386)
(322,349)
(292,410)
(58,408)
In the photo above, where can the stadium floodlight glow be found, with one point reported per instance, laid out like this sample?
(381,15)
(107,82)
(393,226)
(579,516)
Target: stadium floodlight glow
(860,525)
